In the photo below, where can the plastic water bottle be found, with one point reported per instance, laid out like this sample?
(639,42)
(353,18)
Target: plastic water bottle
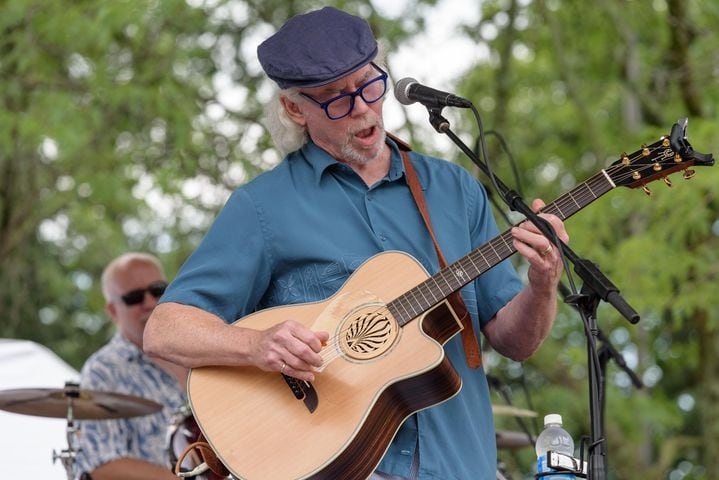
(556,439)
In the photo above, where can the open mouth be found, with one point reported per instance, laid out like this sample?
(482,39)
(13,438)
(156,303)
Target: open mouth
(365,133)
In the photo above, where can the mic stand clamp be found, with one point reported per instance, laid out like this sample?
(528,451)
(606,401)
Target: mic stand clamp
(596,286)
(436,119)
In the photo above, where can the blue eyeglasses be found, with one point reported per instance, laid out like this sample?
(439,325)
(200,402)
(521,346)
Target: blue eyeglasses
(342,105)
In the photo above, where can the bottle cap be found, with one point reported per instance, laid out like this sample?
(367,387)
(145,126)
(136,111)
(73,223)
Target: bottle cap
(552,418)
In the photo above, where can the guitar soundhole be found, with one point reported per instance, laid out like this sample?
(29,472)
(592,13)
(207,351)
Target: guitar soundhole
(368,334)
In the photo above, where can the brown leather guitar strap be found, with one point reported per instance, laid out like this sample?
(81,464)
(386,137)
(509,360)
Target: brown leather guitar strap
(469,339)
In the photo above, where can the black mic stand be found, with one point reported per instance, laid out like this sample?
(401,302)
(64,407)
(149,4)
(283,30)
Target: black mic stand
(596,286)
(605,353)
(608,352)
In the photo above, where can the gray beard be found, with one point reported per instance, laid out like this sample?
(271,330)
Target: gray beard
(351,155)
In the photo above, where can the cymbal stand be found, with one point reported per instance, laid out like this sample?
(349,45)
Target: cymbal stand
(67,456)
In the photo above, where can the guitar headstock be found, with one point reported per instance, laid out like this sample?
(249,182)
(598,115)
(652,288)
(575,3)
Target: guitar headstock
(669,154)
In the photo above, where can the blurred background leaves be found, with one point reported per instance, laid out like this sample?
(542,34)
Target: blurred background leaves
(125,125)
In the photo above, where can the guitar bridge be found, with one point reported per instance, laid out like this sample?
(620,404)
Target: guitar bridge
(303,391)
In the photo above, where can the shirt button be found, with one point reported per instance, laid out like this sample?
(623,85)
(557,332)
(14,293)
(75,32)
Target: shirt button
(383,237)
(369,198)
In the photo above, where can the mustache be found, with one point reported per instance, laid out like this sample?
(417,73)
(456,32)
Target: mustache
(363,125)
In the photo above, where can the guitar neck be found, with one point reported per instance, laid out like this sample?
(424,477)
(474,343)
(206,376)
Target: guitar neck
(450,279)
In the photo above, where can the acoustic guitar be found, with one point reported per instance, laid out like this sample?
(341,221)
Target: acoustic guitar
(384,360)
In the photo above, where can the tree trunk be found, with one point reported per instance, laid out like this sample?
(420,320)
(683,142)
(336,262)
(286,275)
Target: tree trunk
(681,38)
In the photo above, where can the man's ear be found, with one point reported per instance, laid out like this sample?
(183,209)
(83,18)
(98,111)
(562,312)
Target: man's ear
(111,310)
(293,111)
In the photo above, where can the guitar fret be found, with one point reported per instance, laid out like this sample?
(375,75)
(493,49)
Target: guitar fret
(443,294)
(599,180)
(394,311)
(434,292)
(444,277)
(575,201)
(484,260)
(474,265)
(407,317)
(484,257)
(509,245)
(491,245)
(426,287)
(419,290)
(415,304)
(459,274)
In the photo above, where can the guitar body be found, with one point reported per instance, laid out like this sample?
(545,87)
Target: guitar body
(376,373)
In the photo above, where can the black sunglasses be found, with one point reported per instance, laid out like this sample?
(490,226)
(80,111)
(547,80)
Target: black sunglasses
(134,297)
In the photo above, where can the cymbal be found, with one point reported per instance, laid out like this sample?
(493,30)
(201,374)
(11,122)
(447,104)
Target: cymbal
(86,404)
(511,440)
(510,411)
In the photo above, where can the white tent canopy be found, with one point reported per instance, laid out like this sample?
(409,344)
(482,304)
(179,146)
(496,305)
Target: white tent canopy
(28,442)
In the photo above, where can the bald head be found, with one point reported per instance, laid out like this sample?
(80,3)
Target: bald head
(122,265)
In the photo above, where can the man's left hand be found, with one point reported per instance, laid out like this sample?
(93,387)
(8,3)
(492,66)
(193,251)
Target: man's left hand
(545,262)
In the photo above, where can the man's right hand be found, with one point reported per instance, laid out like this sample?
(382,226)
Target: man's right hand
(290,348)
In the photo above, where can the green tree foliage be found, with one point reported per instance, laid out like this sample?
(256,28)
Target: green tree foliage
(572,86)
(101,103)
(126,124)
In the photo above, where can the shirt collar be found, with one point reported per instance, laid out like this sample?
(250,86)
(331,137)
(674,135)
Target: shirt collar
(125,347)
(319,160)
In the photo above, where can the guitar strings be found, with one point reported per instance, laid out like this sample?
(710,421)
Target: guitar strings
(487,250)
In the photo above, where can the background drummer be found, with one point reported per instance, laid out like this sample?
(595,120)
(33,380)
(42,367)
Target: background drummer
(130,448)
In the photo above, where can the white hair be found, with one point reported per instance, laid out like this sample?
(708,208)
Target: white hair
(287,135)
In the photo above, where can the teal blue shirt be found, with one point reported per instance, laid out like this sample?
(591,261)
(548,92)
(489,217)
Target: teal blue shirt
(295,234)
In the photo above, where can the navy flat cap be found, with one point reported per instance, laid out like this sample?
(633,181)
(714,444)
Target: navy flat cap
(317,48)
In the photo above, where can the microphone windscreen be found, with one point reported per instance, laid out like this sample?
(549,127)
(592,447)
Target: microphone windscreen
(401,90)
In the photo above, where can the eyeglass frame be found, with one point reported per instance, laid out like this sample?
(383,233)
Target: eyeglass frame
(137,296)
(357,93)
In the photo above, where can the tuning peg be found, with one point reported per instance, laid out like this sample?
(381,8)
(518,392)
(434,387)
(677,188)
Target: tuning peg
(689,174)
(656,167)
(667,181)
(646,190)
(645,150)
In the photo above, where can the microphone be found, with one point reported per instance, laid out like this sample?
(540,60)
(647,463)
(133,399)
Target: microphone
(407,91)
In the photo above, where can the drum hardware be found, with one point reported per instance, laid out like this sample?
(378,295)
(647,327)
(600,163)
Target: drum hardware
(67,455)
(183,437)
(72,403)
(511,411)
(501,472)
(85,404)
(512,440)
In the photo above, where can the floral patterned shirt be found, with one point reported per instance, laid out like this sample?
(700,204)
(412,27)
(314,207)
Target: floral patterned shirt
(121,367)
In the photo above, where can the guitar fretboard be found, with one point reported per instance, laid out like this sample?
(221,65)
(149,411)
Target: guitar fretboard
(450,279)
